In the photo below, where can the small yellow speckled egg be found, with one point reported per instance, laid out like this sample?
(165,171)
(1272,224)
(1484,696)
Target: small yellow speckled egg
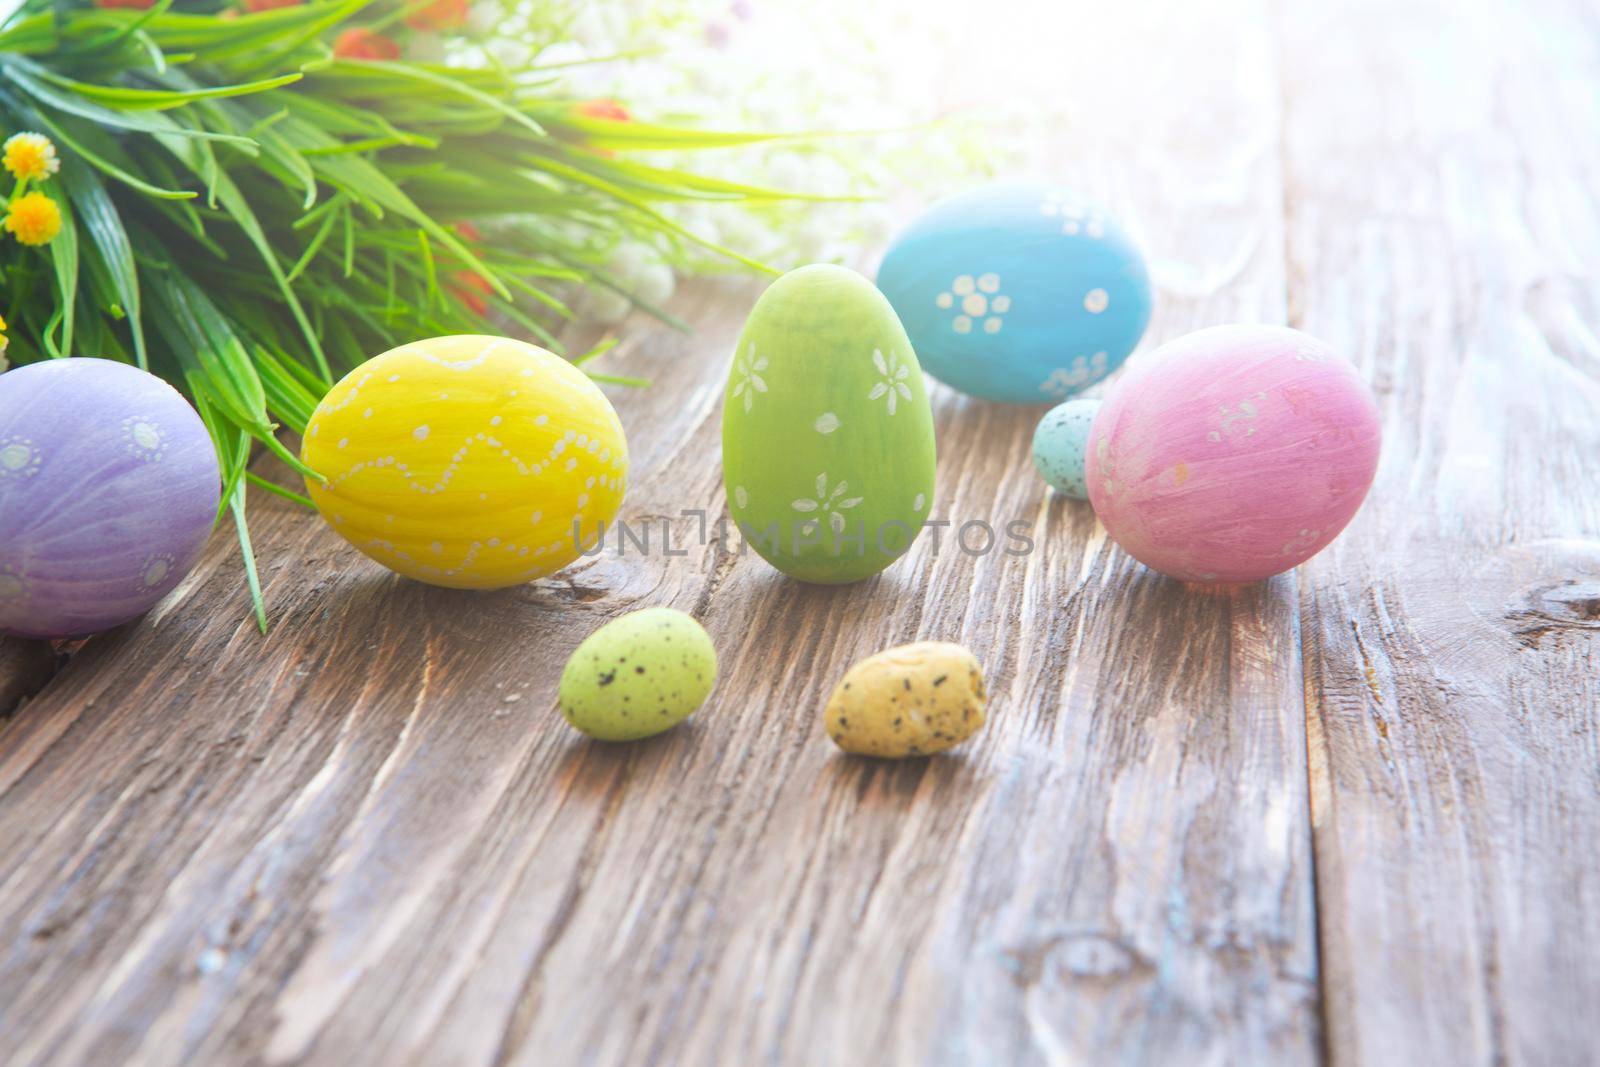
(913,700)
(467,461)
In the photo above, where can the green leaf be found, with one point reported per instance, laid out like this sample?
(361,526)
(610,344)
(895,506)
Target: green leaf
(64,258)
(685,185)
(78,140)
(643,136)
(650,213)
(252,578)
(235,203)
(112,35)
(28,77)
(110,243)
(273,487)
(321,18)
(233,451)
(134,99)
(256,36)
(455,85)
(33,35)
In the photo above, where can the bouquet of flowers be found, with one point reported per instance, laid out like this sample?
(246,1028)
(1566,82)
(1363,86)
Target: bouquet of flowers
(248,200)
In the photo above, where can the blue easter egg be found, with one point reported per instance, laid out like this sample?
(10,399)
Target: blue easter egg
(1059,444)
(1018,292)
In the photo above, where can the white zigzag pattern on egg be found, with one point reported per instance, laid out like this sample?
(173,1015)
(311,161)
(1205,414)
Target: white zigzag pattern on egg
(349,398)
(523,468)
(453,364)
(592,446)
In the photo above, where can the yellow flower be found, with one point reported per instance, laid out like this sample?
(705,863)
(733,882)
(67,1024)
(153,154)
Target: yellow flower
(31,157)
(4,340)
(34,219)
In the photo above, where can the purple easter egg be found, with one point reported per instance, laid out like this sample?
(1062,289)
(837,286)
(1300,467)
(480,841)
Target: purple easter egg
(108,489)
(1233,454)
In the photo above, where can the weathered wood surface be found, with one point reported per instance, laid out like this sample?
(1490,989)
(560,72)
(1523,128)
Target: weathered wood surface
(367,837)
(1443,229)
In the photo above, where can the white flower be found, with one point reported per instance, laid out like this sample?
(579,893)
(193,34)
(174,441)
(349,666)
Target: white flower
(747,370)
(509,52)
(426,48)
(829,502)
(895,372)
(485,17)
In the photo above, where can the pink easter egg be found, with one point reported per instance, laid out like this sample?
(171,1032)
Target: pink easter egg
(1233,453)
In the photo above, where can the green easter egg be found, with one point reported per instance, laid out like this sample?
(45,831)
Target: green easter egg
(827,438)
(638,675)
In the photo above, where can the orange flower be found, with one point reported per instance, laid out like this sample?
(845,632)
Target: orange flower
(254,6)
(439,16)
(468,232)
(604,109)
(472,289)
(362,43)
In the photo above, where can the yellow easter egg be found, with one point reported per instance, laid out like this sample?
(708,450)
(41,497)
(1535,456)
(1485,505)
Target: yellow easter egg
(466,461)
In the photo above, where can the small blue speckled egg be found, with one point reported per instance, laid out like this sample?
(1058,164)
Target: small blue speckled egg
(1018,292)
(1059,445)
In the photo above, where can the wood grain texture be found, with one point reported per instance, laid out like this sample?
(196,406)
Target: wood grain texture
(1444,232)
(25,666)
(247,849)
(369,838)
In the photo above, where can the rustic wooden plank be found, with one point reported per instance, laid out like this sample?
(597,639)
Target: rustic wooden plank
(367,837)
(1443,231)
(25,666)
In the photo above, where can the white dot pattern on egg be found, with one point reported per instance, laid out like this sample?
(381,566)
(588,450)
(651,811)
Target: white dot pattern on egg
(142,437)
(18,458)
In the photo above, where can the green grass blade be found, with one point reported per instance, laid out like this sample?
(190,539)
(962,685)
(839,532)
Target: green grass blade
(650,213)
(273,487)
(134,99)
(454,85)
(64,261)
(109,241)
(110,169)
(26,75)
(253,579)
(238,206)
(114,35)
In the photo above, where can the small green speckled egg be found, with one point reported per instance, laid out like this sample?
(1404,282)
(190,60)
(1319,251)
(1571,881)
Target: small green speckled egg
(638,675)
(913,700)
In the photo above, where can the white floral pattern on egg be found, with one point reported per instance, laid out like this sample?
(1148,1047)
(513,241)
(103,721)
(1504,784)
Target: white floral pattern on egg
(1018,292)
